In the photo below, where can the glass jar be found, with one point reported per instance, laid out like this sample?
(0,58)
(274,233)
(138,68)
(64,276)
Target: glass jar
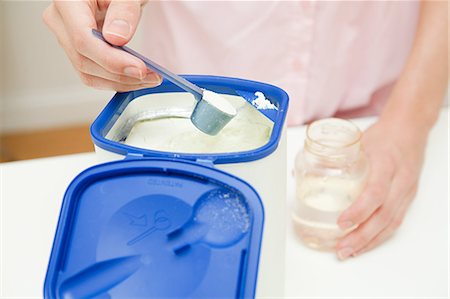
(330,173)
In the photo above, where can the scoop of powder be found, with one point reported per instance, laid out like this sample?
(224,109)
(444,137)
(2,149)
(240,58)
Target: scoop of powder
(262,103)
(218,101)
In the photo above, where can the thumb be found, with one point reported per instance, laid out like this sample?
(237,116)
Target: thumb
(121,20)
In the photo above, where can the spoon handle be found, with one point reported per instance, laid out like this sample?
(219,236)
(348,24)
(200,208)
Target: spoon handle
(174,78)
(100,277)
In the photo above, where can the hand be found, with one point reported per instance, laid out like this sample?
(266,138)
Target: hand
(395,157)
(98,64)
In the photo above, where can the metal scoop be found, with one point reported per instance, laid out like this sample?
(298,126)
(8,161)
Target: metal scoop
(206,116)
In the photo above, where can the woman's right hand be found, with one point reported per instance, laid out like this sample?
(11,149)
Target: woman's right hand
(98,64)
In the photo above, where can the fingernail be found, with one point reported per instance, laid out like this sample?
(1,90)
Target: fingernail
(344,253)
(152,78)
(120,28)
(134,72)
(345,224)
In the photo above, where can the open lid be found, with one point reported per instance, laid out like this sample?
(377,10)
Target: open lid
(156,228)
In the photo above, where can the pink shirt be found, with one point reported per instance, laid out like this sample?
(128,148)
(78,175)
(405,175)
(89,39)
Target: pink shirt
(331,57)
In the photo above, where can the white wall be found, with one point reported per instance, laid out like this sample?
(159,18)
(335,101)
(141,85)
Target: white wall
(40,88)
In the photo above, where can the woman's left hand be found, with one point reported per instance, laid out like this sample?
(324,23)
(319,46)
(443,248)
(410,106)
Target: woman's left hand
(395,157)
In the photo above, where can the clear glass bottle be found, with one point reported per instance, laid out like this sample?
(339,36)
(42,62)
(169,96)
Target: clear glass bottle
(330,173)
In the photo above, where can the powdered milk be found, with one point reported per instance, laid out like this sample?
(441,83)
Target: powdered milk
(170,129)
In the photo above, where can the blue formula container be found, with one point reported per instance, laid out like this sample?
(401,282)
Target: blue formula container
(159,224)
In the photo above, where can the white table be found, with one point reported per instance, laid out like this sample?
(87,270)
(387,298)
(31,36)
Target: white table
(414,263)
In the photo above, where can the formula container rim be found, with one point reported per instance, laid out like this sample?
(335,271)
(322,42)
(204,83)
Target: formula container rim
(226,85)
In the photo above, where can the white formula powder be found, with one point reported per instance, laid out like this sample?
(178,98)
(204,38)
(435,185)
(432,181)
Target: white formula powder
(219,102)
(248,130)
(262,103)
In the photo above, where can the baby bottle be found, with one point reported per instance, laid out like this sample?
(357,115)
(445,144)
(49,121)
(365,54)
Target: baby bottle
(330,173)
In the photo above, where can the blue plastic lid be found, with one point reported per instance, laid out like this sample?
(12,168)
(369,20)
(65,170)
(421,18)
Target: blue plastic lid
(156,228)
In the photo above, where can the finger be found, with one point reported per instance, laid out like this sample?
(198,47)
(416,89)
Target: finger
(84,64)
(47,14)
(79,21)
(368,230)
(377,223)
(78,16)
(393,226)
(380,239)
(89,67)
(52,19)
(121,20)
(363,234)
(101,83)
(374,194)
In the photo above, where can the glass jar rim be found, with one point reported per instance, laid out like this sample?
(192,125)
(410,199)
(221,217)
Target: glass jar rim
(348,123)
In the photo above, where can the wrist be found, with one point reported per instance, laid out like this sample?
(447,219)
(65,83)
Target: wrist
(410,113)
(406,127)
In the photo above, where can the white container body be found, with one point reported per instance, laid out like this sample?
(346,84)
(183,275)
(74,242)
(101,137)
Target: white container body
(267,176)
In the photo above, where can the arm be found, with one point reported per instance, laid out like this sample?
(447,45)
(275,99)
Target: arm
(395,145)
(417,97)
